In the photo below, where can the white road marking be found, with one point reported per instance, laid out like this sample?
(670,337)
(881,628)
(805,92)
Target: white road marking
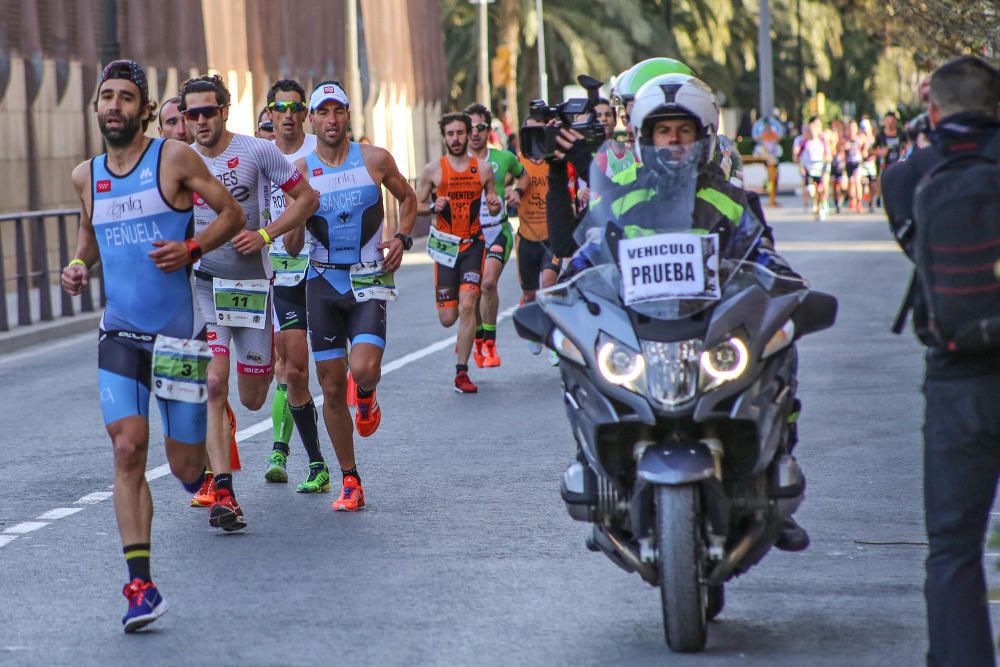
(25,527)
(59,513)
(10,534)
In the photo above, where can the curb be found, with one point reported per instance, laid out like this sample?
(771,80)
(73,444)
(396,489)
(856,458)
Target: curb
(35,334)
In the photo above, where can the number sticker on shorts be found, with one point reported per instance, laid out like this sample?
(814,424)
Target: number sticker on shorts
(443,248)
(240,303)
(368,281)
(180,369)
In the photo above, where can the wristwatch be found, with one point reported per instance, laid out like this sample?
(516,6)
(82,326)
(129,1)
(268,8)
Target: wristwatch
(407,240)
(194,250)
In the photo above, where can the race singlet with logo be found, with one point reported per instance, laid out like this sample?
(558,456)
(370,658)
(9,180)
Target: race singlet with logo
(129,214)
(347,228)
(532,212)
(464,190)
(288,270)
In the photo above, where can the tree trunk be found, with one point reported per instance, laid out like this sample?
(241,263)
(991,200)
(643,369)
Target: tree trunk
(510,36)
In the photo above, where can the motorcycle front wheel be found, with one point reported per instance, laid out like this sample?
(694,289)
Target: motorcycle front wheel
(680,548)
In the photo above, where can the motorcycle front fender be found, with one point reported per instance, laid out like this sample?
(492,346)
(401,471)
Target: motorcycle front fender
(676,463)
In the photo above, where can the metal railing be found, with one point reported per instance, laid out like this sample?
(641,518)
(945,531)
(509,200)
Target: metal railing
(41,241)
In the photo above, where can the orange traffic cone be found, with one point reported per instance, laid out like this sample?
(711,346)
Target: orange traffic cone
(352,390)
(234,452)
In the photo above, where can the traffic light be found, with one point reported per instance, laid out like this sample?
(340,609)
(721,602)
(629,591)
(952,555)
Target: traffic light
(501,66)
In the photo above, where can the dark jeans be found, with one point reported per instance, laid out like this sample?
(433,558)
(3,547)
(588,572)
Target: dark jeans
(961,467)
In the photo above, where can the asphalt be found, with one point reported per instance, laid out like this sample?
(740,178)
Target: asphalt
(465,555)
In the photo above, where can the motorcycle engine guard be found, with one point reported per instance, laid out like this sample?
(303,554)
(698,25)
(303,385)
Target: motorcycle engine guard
(676,463)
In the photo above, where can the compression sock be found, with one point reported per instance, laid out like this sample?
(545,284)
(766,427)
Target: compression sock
(196,484)
(353,472)
(281,419)
(489,332)
(306,418)
(461,367)
(137,559)
(364,393)
(479,331)
(225,481)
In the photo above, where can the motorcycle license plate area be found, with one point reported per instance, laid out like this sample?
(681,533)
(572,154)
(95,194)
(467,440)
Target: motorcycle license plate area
(289,271)
(369,281)
(669,266)
(241,303)
(180,369)
(443,248)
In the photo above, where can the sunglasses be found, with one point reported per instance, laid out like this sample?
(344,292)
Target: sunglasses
(266,126)
(282,107)
(480,127)
(198,112)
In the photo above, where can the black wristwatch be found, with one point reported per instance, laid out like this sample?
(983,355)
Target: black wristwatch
(407,240)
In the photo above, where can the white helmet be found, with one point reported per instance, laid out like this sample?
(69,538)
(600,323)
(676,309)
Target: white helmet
(675,96)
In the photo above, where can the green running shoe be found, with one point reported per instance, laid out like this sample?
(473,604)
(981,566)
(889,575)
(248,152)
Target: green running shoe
(276,467)
(318,480)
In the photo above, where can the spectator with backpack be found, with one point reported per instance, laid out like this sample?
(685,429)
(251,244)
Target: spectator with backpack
(943,205)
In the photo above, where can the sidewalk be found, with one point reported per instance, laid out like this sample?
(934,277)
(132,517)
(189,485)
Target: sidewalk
(20,337)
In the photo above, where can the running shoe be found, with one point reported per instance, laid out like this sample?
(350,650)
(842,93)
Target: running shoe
(318,480)
(368,415)
(491,358)
(234,452)
(463,385)
(226,512)
(477,353)
(205,497)
(145,604)
(352,497)
(276,471)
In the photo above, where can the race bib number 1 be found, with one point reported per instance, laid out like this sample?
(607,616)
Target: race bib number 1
(180,369)
(368,281)
(289,271)
(241,303)
(443,248)
(670,266)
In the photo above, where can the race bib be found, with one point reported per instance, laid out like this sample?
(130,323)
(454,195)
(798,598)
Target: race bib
(443,248)
(289,271)
(368,281)
(180,369)
(241,303)
(670,266)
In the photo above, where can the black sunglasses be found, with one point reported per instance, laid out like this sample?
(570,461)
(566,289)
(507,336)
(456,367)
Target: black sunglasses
(266,126)
(480,127)
(197,112)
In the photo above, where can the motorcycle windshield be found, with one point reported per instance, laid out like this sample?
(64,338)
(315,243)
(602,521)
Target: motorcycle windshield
(641,221)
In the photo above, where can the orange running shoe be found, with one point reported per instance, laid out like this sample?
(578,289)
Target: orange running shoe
(205,497)
(490,352)
(463,385)
(352,498)
(477,353)
(368,415)
(234,452)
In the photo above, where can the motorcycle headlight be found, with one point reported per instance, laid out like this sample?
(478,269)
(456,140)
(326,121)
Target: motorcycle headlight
(726,361)
(565,348)
(618,363)
(672,371)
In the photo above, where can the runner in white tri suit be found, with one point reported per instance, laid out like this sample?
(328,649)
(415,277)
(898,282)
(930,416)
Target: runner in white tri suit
(234,281)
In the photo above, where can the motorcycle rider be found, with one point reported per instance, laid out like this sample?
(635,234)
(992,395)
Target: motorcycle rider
(671,114)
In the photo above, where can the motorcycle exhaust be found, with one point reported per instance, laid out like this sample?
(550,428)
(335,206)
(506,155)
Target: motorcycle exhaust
(621,554)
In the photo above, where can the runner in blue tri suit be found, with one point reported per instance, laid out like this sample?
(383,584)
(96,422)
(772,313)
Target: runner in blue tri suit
(136,218)
(349,280)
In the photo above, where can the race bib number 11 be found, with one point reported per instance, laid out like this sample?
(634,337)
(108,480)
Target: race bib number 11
(670,266)
(241,303)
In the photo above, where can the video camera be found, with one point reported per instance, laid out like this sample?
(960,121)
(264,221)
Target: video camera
(538,142)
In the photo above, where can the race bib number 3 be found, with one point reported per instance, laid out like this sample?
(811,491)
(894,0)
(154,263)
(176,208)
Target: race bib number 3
(443,248)
(368,281)
(670,266)
(241,303)
(180,369)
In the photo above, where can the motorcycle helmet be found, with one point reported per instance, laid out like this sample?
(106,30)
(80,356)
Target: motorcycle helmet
(628,82)
(676,96)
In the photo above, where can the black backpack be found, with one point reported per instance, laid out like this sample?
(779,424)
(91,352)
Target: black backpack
(956,212)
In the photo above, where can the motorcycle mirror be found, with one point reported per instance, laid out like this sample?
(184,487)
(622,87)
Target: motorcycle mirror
(817,312)
(531,323)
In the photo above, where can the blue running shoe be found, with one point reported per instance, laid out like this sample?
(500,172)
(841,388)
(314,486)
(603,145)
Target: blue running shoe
(145,604)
